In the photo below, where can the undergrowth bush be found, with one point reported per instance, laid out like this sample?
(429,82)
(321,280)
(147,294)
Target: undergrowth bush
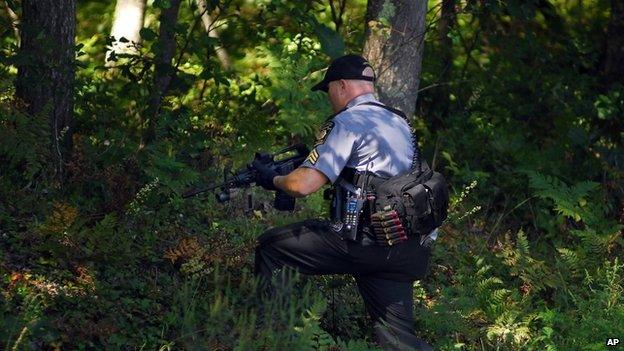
(514,295)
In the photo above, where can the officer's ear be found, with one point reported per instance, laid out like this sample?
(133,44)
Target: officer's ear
(343,85)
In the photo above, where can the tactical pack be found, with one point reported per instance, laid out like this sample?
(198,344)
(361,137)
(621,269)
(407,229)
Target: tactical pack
(419,198)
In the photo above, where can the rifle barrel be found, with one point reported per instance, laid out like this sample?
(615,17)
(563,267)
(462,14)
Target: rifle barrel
(194,192)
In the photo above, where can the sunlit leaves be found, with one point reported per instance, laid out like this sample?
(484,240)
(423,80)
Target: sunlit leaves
(611,105)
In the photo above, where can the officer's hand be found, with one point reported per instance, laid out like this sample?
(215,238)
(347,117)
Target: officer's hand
(264,175)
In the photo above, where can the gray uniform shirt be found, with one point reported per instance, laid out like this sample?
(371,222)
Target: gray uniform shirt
(362,136)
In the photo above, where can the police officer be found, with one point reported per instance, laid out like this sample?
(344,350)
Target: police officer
(361,136)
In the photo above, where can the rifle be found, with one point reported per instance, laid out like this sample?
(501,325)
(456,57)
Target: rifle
(281,162)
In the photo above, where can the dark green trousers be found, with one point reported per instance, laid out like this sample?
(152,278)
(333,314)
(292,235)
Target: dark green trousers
(384,275)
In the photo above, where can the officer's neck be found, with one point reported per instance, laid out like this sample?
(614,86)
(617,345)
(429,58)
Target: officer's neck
(361,98)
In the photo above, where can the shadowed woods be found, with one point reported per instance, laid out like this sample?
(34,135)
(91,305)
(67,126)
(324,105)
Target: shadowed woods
(517,103)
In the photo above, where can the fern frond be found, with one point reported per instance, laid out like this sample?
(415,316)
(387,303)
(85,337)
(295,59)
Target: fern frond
(481,272)
(507,329)
(570,257)
(522,244)
(582,189)
(486,284)
(498,296)
(569,201)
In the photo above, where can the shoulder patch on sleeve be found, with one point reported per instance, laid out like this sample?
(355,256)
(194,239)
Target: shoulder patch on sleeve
(322,134)
(313,157)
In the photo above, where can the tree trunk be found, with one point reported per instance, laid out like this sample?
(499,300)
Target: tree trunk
(127,23)
(441,100)
(208,23)
(394,45)
(614,62)
(164,71)
(447,20)
(45,78)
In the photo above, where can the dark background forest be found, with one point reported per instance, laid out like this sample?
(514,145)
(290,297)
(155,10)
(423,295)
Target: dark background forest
(110,110)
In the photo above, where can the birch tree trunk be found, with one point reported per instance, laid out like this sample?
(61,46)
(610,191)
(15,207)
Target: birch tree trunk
(45,78)
(163,71)
(394,46)
(127,23)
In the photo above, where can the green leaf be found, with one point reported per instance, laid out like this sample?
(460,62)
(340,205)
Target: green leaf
(206,74)
(147,34)
(162,4)
(331,42)
(388,10)
(209,41)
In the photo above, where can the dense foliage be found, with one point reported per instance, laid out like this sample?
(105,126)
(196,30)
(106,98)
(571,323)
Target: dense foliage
(517,112)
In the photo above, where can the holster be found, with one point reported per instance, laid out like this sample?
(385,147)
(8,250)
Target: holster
(337,195)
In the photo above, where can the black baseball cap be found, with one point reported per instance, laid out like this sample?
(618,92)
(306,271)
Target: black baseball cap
(346,67)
